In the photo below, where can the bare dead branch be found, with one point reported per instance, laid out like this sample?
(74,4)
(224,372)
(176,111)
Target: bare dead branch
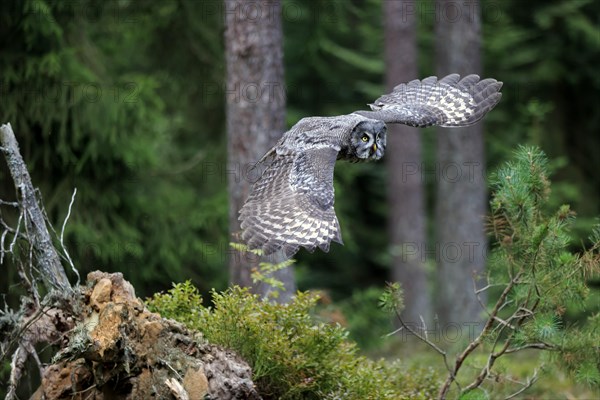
(488,286)
(2,251)
(46,257)
(16,233)
(425,340)
(485,371)
(526,385)
(394,332)
(62,233)
(421,337)
(519,315)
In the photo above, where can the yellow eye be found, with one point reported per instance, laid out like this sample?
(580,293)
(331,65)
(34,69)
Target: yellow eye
(365,138)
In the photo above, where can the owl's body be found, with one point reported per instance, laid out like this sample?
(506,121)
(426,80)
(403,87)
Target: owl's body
(291,205)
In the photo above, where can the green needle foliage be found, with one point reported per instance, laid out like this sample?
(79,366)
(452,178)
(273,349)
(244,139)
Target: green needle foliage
(539,274)
(99,102)
(533,278)
(543,276)
(292,354)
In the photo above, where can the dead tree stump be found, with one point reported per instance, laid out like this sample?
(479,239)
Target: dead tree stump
(119,349)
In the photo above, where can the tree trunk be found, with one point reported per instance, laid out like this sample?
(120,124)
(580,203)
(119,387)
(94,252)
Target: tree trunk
(255,95)
(405,184)
(461,187)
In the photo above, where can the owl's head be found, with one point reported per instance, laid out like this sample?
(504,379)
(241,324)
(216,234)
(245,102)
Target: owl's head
(367,140)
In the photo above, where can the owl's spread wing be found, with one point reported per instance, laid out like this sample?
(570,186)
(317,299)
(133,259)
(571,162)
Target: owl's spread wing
(292,204)
(448,102)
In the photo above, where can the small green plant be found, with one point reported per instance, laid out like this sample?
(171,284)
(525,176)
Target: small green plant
(265,272)
(537,277)
(291,354)
(181,304)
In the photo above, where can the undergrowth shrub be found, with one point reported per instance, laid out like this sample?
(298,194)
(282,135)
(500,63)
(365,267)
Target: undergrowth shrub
(292,355)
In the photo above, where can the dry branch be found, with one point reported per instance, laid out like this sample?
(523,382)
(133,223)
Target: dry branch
(45,254)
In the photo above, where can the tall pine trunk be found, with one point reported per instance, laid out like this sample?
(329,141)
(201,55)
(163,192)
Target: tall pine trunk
(461,187)
(405,183)
(255,95)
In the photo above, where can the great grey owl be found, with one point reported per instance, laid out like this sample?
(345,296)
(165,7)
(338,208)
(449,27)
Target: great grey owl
(291,205)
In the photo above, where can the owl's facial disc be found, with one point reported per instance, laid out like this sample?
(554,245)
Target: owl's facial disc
(368,140)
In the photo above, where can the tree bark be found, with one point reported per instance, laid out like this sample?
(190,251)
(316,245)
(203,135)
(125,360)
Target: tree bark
(461,187)
(255,96)
(405,183)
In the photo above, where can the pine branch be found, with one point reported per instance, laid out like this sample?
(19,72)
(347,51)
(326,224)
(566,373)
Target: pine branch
(538,346)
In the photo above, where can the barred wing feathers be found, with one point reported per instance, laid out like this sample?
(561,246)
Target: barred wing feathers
(448,102)
(292,204)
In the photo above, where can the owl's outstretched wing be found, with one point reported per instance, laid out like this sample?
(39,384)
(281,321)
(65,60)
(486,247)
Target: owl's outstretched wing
(291,205)
(448,102)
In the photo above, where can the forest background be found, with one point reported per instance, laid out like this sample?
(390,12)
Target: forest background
(125,100)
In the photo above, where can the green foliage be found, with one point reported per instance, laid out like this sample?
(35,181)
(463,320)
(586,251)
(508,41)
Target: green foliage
(241,247)
(544,53)
(392,299)
(474,395)
(180,304)
(532,260)
(533,279)
(368,324)
(264,274)
(125,100)
(580,352)
(101,100)
(292,355)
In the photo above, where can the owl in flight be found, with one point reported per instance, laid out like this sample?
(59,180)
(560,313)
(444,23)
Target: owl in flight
(291,205)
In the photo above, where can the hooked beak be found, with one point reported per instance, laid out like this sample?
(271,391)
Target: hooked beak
(374,148)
